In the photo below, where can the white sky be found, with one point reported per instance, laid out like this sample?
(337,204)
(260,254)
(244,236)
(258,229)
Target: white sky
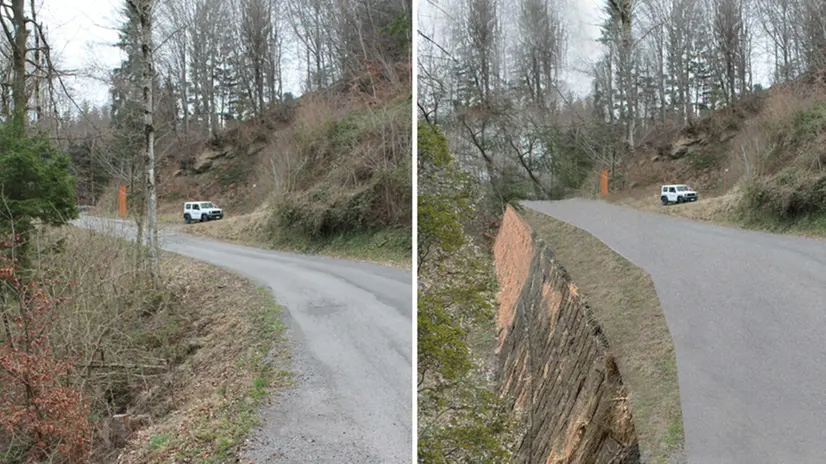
(584,18)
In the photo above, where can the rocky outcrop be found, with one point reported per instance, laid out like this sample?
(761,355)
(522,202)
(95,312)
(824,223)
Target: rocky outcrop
(685,146)
(217,155)
(205,160)
(556,368)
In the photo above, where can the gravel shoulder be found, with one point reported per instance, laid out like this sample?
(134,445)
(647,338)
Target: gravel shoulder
(746,312)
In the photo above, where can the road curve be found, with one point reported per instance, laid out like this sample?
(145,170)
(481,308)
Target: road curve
(350,325)
(747,313)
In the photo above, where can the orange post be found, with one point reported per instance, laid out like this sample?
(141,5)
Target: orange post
(603,182)
(122,201)
(724,181)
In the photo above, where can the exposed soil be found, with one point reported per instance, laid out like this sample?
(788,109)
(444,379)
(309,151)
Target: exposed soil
(515,246)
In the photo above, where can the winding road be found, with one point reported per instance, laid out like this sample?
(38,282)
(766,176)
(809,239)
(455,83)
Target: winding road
(747,313)
(350,327)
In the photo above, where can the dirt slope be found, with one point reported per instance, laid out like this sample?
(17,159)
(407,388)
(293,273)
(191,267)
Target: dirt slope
(761,135)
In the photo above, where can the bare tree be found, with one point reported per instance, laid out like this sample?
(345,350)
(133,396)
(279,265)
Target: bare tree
(732,40)
(541,46)
(312,26)
(482,33)
(256,29)
(778,20)
(812,35)
(177,29)
(619,36)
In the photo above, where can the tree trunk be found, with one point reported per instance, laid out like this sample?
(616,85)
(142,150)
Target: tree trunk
(38,102)
(19,64)
(184,89)
(149,140)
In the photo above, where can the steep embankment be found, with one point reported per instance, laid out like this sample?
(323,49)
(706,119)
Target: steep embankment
(586,386)
(332,174)
(759,163)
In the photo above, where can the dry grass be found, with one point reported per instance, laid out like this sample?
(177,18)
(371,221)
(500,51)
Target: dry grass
(719,210)
(387,247)
(246,229)
(625,303)
(190,358)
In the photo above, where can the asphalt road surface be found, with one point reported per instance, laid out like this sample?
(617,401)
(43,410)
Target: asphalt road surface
(350,327)
(747,312)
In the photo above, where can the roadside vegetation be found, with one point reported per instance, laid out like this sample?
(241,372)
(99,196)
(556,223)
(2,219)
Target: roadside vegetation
(109,350)
(84,329)
(461,418)
(97,332)
(89,343)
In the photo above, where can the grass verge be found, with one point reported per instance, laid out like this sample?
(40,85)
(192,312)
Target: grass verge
(623,298)
(385,246)
(724,211)
(213,423)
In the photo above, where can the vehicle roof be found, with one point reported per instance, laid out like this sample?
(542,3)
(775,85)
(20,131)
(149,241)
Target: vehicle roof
(675,185)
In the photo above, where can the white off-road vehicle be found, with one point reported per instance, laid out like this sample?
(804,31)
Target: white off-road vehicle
(678,193)
(201,211)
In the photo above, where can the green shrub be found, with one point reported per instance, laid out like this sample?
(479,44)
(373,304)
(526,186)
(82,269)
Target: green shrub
(790,195)
(36,183)
(809,123)
(461,418)
(355,180)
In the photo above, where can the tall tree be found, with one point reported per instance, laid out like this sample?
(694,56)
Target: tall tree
(732,40)
(143,11)
(540,50)
(619,32)
(19,54)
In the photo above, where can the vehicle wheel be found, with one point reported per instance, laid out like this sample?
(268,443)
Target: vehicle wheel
(203,217)
(187,218)
(664,200)
(679,200)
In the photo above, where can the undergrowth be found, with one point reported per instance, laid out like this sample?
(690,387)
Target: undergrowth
(356,176)
(785,198)
(189,365)
(217,438)
(393,246)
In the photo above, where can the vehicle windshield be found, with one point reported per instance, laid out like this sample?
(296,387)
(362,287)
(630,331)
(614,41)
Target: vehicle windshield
(206,205)
(683,188)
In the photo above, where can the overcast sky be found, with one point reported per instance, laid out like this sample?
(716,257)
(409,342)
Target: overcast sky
(582,19)
(82,34)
